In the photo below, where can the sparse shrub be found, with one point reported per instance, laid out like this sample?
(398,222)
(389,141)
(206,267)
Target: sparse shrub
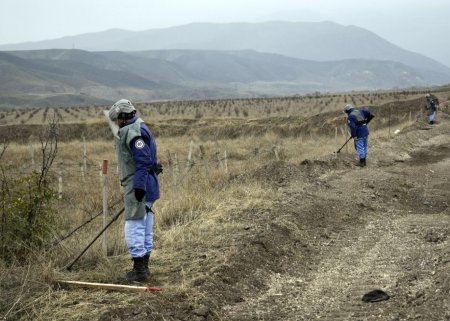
(27,218)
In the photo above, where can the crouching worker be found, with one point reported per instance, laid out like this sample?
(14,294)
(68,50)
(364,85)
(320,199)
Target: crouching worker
(357,122)
(137,163)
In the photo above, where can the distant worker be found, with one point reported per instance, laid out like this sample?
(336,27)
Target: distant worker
(138,169)
(432,105)
(357,122)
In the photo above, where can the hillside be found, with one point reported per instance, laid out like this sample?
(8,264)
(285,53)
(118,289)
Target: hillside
(211,61)
(74,77)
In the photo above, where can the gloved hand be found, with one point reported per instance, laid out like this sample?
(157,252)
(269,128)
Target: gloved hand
(158,169)
(369,118)
(139,194)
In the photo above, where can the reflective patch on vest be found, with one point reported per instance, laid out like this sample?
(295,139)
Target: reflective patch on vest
(139,144)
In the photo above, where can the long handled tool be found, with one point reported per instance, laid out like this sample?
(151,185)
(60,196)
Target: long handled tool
(69,267)
(344,145)
(108,286)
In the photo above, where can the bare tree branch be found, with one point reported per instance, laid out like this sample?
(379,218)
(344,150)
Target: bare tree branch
(3,149)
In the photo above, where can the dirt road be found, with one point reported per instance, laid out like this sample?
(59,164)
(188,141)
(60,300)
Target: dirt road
(340,231)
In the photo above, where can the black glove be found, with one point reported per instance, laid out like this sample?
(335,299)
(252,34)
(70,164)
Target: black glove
(139,194)
(369,118)
(158,169)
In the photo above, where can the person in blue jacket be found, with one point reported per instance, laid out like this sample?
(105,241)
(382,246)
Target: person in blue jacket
(432,103)
(138,167)
(357,122)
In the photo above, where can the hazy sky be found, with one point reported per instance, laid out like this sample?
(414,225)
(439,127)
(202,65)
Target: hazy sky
(417,25)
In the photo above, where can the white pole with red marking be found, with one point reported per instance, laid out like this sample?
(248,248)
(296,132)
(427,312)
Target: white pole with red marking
(105,202)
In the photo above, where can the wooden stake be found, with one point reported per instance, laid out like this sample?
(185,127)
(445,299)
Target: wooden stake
(172,169)
(389,121)
(108,286)
(82,174)
(175,163)
(335,138)
(60,185)
(275,151)
(33,164)
(189,160)
(84,154)
(205,161)
(225,160)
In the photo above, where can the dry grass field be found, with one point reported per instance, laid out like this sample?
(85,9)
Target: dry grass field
(226,239)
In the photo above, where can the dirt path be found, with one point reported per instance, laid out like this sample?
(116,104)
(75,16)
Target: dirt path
(354,230)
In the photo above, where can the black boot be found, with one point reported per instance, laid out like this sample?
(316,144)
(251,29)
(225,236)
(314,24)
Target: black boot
(362,162)
(138,273)
(146,258)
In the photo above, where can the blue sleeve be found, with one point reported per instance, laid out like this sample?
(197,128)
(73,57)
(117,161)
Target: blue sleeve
(143,149)
(366,113)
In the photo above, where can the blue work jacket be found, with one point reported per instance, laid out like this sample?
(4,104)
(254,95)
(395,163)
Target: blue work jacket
(357,122)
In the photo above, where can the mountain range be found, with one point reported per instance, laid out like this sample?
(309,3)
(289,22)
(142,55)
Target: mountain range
(204,60)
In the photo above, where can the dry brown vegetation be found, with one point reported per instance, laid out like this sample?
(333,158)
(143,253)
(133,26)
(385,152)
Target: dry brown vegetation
(227,108)
(238,148)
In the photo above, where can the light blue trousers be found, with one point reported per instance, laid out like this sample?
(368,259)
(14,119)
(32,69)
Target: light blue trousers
(139,234)
(431,117)
(362,146)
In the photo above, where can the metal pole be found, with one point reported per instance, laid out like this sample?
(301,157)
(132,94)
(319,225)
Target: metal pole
(344,145)
(69,267)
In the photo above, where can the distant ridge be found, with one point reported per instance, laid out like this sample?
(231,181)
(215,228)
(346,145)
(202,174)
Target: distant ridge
(60,77)
(319,41)
(209,61)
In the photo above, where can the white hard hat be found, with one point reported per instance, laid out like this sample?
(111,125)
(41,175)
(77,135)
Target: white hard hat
(348,107)
(122,106)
